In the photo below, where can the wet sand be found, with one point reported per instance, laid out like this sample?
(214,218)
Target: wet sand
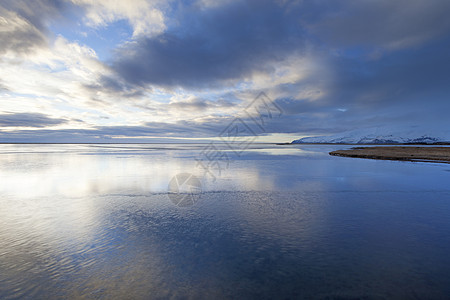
(427,154)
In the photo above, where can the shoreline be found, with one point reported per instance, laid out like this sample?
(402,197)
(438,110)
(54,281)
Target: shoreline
(399,153)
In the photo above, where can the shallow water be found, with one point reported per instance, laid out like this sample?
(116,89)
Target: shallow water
(95,221)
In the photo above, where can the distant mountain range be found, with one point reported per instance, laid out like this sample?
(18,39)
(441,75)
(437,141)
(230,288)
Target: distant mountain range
(381,136)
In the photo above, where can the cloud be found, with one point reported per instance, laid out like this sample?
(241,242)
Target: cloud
(205,4)
(18,34)
(23,24)
(196,104)
(223,44)
(107,85)
(401,87)
(212,46)
(28,120)
(388,24)
(144,16)
(3,88)
(54,72)
(399,78)
(106,133)
(209,127)
(191,66)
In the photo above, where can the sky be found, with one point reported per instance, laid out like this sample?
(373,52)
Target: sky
(155,71)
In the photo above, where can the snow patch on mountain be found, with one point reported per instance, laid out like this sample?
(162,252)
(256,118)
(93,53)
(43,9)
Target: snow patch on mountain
(382,135)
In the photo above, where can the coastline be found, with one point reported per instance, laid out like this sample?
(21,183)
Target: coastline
(400,153)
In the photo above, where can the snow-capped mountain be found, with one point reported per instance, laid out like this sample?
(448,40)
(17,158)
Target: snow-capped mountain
(382,136)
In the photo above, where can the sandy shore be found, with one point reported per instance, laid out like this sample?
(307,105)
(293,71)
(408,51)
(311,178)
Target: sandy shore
(429,154)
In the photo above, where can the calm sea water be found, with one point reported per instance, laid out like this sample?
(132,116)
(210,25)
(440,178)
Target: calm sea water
(285,222)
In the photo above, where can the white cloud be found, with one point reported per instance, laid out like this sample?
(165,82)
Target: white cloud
(144,16)
(308,73)
(56,80)
(51,80)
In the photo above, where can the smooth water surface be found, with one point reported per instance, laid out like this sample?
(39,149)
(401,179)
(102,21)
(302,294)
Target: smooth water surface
(275,221)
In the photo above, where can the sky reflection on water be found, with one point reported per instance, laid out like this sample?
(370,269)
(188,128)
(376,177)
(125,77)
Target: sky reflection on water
(281,221)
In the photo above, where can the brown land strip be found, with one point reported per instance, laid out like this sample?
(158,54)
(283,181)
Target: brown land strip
(427,154)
